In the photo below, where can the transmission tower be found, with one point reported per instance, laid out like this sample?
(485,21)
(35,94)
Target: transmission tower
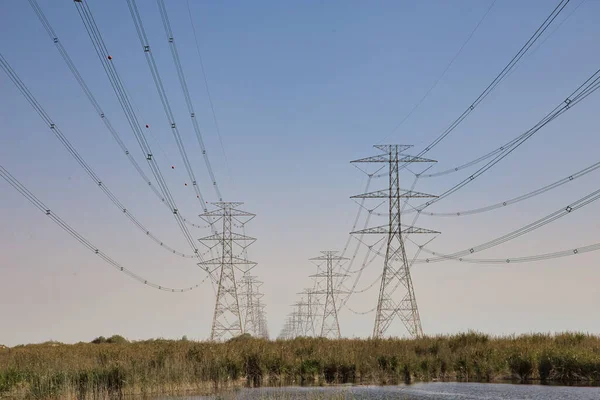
(304,327)
(330,326)
(227,321)
(251,307)
(311,304)
(263,330)
(396,268)
(287,331)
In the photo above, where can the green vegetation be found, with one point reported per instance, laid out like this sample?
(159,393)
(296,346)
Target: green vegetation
(115,367)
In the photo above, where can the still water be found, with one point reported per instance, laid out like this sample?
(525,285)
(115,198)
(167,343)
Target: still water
(423,391)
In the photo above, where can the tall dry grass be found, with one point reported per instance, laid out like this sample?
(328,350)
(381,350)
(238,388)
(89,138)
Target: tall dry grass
(113,369)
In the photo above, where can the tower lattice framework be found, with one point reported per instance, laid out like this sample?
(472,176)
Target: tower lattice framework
(227,321)
(310,302)
(252,309)
(392,305)
(330,326)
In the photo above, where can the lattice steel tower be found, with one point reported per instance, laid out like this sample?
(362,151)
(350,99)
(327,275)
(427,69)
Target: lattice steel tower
(254,321)
(311,304)
(227,321)
(396,268)
(330,326)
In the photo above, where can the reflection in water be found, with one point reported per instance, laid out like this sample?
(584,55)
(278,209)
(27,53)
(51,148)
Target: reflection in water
(420,391)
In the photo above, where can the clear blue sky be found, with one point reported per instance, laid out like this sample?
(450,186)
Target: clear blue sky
(300,89)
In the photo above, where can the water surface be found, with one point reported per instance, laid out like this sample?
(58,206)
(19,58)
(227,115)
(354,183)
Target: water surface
(419,391)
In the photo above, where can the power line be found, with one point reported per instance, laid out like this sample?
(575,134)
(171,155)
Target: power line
(118,87)
(210,101)
(92,99)
(437,80)
(514,260)
(80,160)
(583,91)
(162,94)
(509,202)
(499,78)
(577,96)
(562,212)
(185,89)
(80,238)
(495,151)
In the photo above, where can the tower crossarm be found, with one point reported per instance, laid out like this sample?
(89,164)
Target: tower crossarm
(386,229)
(234,236)
(328,256)
(234,260)
(325,275)
(232,212)
(385,158)
(385,193)
(330,292)
(387,148)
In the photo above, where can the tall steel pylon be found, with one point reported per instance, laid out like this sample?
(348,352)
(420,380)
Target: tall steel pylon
(396,268)
(227,321)
(263,329)
(287,332)
(303,318)
(330,326)
(252,310)
(310,302)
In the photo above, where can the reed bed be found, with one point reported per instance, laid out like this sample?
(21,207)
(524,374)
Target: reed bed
(114,367)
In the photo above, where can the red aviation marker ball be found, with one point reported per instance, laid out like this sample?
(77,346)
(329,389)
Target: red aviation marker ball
(110,57)
(147,126)
(172,167)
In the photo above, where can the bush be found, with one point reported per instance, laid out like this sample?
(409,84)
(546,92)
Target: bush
(117,339)
(114,339)
(99,340)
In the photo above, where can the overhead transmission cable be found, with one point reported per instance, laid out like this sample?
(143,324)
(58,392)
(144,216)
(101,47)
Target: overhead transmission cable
(486,92)
(562,212)
(584,201)
(499,78)
(581,93)
(515,260)
(208,93)
(80,160)
(158,83)
(118,87)
(509,202)
(183,83)
(490,154)
(90,96)
(80,238)
(439,78)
